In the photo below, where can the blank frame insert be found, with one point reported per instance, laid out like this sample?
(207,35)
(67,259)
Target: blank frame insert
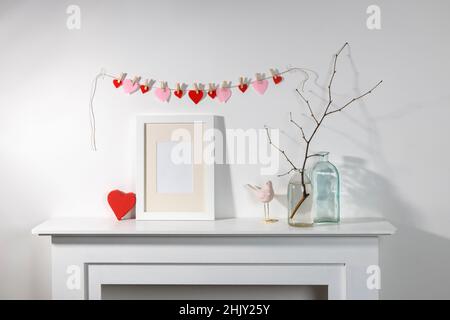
(173,174)
(170,186)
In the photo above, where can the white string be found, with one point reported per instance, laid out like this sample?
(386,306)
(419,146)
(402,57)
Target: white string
(103,73)
(91,109)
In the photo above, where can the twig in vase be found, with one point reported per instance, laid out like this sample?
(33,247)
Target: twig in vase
(318,122)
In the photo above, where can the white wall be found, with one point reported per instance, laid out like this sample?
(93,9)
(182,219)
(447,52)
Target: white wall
(392,149)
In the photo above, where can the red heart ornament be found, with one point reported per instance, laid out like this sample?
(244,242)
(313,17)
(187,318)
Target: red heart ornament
(117,83)
(212,93)
(178,93)
(195,95)
(243,87)
(145,88)
(121,203)
(277,79)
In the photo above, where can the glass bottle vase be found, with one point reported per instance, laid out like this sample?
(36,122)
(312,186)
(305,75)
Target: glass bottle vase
(303,216)
(326,193)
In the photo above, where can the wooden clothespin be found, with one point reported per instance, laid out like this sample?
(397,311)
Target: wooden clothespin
(241,81)
(224,84)
(273,72)
(212,90)
(178,92)
(122,76)
(196,87)
(258,77)
(136,79)
(147,83)
(164,85)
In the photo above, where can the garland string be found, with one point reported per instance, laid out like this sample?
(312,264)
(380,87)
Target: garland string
(102,74)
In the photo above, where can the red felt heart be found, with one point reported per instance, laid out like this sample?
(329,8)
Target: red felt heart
(144,88)
(178,93)
(195,95)
(277,79)
(121,203)
(117,83)
(243,87)
(212,93)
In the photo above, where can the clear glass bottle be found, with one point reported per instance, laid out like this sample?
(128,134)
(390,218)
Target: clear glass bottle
(303,217)
(326,194)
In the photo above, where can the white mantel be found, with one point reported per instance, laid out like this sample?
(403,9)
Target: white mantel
(228,251)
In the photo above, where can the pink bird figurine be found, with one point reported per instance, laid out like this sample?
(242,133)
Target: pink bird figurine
(265,195)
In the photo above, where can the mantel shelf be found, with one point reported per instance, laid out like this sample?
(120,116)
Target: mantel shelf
(222,227)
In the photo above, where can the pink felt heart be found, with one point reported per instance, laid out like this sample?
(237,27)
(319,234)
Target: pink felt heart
(130,87)
(260,86)
(223,94)
(162,94)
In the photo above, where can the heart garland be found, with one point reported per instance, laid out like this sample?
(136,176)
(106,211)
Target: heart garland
(223,93)
(163,92)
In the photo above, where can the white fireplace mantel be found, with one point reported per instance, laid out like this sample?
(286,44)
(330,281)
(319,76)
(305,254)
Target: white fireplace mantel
(90,252)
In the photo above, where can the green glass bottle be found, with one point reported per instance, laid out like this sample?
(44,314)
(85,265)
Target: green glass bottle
(326,193)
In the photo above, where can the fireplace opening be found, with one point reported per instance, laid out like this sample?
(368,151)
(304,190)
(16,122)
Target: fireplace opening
(215,292)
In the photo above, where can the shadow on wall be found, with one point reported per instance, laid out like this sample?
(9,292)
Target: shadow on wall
(223,195)
(370,193)
(414,263)
(422,265)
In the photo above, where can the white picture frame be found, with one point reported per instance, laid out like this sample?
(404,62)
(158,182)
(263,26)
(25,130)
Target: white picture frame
(191,195)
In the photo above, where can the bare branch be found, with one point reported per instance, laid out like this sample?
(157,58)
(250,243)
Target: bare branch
(319,122)
(286,173)
(298,126)
(332,76)
(309,106)
(281,151)
(354,99)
